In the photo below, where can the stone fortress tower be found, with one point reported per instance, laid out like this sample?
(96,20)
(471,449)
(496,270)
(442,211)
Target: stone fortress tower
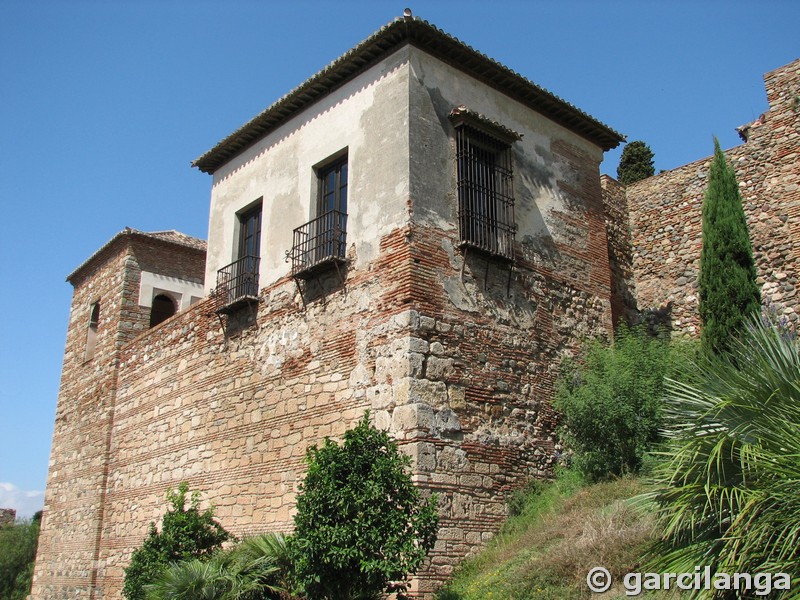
(121,291)
(415,230)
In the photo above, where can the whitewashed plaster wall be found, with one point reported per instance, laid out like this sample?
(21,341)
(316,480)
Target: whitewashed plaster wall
(367,117)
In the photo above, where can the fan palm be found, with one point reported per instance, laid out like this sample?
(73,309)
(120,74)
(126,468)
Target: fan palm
(256,569)
(728,485)
(259,568)
(192,579)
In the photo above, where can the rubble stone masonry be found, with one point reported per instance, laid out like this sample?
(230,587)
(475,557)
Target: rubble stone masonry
(456,355)
(453,352)
(75,499)
(666,214)
(458,367)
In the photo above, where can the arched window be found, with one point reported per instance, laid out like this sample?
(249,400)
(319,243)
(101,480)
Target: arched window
(162,309)
(91,334)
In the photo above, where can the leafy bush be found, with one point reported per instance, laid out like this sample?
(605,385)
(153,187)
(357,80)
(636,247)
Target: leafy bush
(610,400)
(185,533)
(727,493)
(361,527)
(18,542)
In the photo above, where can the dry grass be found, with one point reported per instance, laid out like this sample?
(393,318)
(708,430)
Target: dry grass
(564,531)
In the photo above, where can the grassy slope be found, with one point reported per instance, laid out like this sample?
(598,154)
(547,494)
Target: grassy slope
(563,531)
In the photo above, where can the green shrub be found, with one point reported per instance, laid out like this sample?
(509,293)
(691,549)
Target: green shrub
(728,486)
(255,569)
(610,400)
(18,542)
(185,533)
(361,527)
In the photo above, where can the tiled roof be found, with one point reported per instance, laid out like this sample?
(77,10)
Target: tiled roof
(170,237)
(423,35)
(175,237)
(462,113)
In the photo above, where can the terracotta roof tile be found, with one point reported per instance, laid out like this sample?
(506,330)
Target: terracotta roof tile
(385,41)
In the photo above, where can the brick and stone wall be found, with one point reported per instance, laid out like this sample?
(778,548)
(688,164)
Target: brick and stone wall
(74,506)
(454,353)
(666,220)
(618,231)
(464,389)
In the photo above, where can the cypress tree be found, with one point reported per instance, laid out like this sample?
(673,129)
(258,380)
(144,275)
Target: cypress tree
(727,283)
(636,163)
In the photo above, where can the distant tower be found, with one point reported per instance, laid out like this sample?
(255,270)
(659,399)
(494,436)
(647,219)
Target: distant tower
(132,283)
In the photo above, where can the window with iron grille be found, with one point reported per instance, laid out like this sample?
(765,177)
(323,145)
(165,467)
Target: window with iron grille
(485,191)
(323,240)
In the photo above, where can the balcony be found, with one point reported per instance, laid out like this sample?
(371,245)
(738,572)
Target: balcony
(237,284)
(319,245)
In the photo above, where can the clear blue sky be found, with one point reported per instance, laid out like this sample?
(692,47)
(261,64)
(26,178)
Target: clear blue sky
(104,104)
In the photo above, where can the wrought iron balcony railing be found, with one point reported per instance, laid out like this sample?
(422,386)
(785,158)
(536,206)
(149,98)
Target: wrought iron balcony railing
(237,283)
(319,243)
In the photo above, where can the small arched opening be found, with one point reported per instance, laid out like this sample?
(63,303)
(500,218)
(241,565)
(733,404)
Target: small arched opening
(163,308)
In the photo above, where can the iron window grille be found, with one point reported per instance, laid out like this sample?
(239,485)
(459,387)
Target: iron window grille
(485,192)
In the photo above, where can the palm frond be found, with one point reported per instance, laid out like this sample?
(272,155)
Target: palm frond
(729,475)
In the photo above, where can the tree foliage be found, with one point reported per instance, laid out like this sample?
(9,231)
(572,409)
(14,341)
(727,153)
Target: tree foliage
(636,163)
(610,400)
(361,527)
(185,533)
(727,494)
(18,542)
(727,284)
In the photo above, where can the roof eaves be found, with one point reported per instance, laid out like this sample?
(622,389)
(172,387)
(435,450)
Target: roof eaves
(433,40)
(171,237)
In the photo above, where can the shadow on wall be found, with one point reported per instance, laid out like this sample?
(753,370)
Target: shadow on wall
(657,320)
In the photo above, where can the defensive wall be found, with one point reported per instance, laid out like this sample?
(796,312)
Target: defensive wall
(665,214)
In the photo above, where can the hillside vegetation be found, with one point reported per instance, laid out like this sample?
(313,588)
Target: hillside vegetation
(562,531)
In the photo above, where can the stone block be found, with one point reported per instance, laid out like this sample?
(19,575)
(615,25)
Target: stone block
(426,456)
(410,390)
(452,460)
(411,417)
(418,345)
(438,368)
(383,420)
(446,421)
(360,376)
(456,396)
